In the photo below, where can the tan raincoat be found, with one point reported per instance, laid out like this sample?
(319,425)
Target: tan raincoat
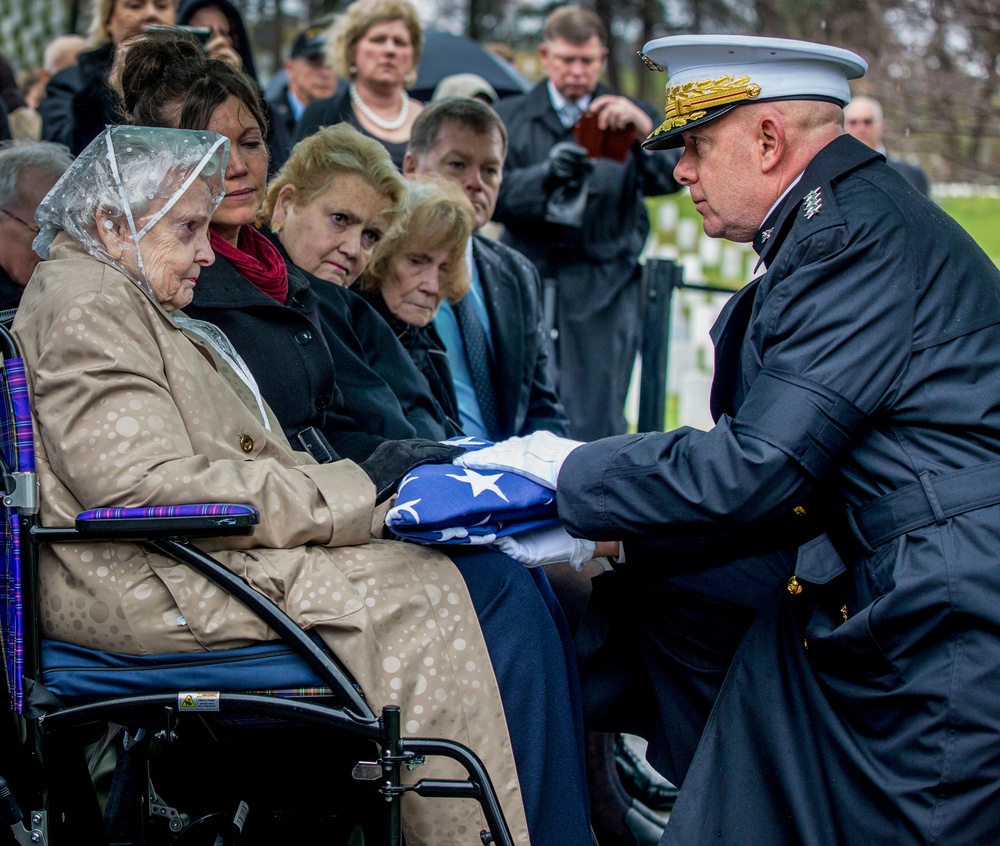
(131,412)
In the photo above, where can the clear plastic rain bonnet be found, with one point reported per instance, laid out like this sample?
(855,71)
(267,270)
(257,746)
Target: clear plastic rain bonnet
(133,172)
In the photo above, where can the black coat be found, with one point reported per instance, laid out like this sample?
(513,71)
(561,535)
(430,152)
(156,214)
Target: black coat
(329,111)
(861,370)
(383,389)
(302,354)
(527,397)
(283,345)
(426,351)
(615,223)
(594,268)
(10,291)
(78,103)
(282,129)
(914,174)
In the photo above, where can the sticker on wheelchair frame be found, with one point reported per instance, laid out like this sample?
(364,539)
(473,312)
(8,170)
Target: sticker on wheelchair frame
(192,700)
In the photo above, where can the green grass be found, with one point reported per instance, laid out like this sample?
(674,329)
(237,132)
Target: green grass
(980,217)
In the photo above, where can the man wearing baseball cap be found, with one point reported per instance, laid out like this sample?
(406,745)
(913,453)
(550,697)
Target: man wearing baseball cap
(804,614)
(310,78)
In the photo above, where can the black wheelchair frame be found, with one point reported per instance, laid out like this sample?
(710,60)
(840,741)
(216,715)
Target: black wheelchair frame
(49,778)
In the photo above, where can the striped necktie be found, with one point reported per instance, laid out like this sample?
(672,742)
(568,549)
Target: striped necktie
(481,367)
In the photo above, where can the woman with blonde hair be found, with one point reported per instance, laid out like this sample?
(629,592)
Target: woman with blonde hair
(335,198)
(376,45)
(337,172)
(417,267)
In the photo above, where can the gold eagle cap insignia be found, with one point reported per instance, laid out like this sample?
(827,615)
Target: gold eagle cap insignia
(691,101)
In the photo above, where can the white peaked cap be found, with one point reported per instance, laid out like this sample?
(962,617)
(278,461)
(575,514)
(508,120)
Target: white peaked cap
(708,75)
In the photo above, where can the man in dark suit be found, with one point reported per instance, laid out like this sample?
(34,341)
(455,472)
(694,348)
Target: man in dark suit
(581,221)
(463,139)
(863,119)
(805,622)
(310,77)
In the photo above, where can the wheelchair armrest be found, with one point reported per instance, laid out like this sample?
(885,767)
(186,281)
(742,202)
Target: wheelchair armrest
(166,521)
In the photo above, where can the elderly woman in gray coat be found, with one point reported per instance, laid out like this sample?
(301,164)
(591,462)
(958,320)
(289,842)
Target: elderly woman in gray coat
(138,405)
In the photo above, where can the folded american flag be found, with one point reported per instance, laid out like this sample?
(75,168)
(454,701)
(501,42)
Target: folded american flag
(445,504)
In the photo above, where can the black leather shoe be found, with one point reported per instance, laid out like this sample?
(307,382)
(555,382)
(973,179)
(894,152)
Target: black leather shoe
(638,778)
(617,818)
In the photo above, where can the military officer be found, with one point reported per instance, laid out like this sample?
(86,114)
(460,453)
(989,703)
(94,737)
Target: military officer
(804,619)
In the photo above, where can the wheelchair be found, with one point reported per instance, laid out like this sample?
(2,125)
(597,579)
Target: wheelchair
(105,749)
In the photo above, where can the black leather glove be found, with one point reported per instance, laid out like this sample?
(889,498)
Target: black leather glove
(567,162)
(391,460)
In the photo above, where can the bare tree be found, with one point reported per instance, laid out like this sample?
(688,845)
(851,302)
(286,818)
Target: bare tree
(934,64)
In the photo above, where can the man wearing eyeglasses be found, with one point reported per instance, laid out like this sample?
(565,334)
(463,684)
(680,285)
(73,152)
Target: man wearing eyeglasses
(28,169)
(863,120)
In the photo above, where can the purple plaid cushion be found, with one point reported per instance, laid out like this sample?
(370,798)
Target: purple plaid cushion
(214,509)
(16,440)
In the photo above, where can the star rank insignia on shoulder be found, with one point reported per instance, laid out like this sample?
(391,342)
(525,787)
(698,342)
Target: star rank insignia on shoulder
(812,203)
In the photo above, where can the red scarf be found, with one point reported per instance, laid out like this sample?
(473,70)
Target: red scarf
(257,260)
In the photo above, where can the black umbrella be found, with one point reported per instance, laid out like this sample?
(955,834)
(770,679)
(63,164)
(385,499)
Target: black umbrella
(445,53)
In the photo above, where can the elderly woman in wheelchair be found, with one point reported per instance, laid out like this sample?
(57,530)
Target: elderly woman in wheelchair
(137,405)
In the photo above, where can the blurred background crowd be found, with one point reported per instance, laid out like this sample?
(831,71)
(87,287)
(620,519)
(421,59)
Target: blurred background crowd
(934,64)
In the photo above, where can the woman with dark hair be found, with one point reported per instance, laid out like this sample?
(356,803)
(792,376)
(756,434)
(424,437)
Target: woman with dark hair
(227,31)
(264,305)
(376,45)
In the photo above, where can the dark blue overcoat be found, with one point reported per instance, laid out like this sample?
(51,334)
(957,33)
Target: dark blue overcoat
(857,392)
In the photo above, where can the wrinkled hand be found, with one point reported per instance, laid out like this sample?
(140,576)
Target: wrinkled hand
(567,161)
(391,460)
(547,545)
(538,456)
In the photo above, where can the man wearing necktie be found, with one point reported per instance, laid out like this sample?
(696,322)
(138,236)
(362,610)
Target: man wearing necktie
(497,351)
(582,222)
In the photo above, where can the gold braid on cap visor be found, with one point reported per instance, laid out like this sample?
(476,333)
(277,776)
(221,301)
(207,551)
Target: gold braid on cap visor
(692,100)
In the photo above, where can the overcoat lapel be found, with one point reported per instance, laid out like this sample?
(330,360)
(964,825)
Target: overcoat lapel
(727,335)
(505,310)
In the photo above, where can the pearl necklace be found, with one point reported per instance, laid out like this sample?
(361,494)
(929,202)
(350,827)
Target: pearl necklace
(374,118)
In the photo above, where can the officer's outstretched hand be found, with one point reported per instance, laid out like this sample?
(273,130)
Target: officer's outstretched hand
(539,456)
(391,460)
(547,545)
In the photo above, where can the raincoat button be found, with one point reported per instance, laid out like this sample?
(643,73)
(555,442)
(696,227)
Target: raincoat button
(246,443)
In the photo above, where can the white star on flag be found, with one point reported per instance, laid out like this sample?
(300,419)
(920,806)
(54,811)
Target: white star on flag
(480,482)
(407,507)
(468,440)
(409,477)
